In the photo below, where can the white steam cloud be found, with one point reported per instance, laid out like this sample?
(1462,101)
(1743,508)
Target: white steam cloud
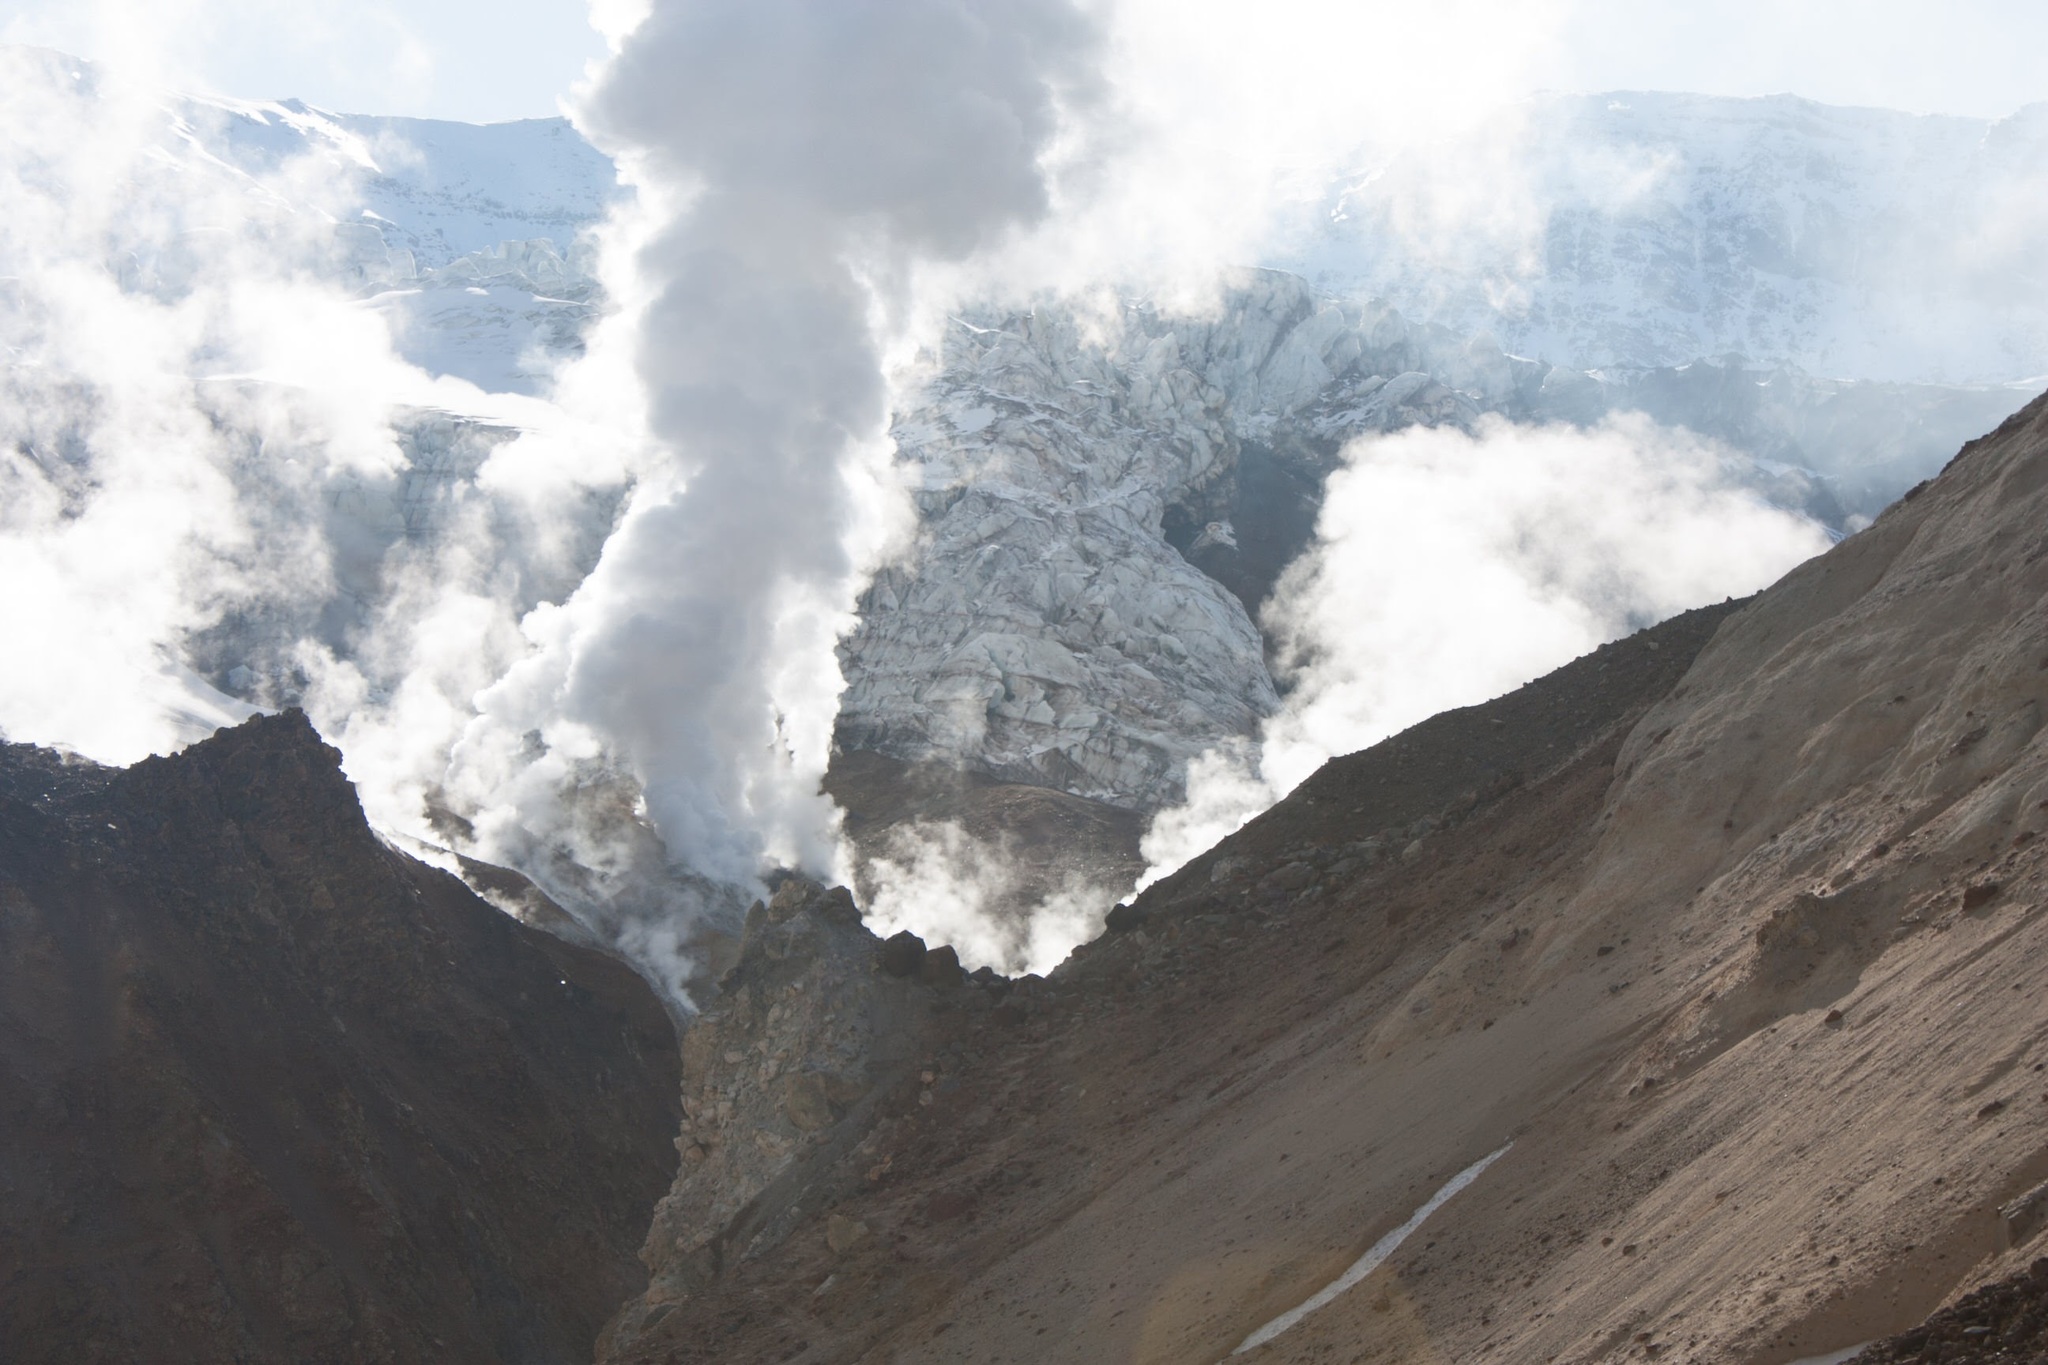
(165,330)
(798,161)
(1226,117)
(1452,567)
(947,886)
(214,471)
(595,641)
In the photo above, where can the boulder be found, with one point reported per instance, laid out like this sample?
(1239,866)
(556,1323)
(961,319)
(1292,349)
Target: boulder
(843,1234)
(808,1107)
(903,954)
(1288,877)
(1124,918)
(941,967)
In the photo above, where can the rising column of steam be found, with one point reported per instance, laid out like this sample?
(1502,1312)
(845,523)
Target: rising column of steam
(808,156)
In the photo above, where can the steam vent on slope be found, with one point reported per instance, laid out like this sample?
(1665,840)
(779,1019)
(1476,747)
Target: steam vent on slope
(1686,1004)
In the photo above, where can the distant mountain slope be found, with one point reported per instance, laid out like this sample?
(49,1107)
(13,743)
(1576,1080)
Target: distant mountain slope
(470,237)
(436,188)
(453,188)
(1645,229)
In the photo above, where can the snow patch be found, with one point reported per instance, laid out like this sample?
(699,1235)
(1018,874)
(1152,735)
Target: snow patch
(1374,1257)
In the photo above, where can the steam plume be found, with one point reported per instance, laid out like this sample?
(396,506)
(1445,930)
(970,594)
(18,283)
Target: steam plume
(801,158)
(1449,568)
(198,466)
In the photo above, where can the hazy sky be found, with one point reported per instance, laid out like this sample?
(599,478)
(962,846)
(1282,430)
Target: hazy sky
(498,59)
(477,60)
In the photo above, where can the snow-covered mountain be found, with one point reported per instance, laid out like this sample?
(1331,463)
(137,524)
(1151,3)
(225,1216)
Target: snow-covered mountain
(1647,229)
(435,189)
(1620,231)
(470,240)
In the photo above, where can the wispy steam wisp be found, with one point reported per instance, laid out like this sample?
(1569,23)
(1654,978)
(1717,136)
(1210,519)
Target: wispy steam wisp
(942,883)
(216,477)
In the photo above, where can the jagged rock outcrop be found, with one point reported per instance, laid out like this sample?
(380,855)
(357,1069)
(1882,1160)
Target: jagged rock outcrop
(272,1091)
(821,1040)
(1046,632)
(2001,1322)
(1729,966)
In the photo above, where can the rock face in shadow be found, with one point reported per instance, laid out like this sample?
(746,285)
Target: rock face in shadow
(273,1092)
(823,1043)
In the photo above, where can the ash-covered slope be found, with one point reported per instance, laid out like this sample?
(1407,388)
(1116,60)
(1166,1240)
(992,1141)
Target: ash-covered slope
(1744,972)
(271,1091)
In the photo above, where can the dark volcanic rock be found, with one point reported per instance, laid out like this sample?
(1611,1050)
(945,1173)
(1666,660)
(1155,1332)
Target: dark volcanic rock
(941,967)
(814,1041)
(1123,918)
(271,1091)
(902,953)
(2007,1321)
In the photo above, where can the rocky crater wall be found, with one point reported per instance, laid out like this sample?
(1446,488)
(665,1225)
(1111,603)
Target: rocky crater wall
(273,1091)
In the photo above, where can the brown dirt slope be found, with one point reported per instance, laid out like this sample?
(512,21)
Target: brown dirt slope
(1754,979)
(270,1091)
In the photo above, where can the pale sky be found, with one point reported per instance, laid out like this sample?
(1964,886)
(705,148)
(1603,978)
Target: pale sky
(485,60)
